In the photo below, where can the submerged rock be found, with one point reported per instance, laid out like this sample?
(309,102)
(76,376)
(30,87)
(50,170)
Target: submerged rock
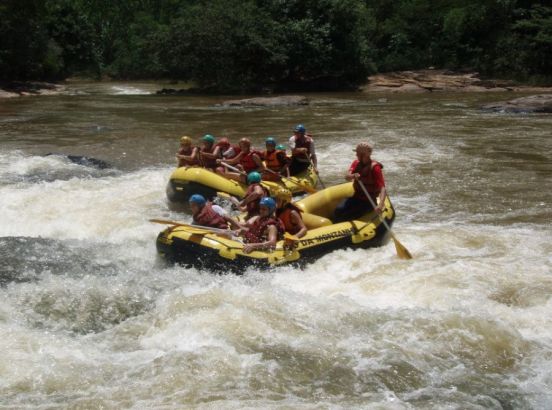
(284,100)
(541,103)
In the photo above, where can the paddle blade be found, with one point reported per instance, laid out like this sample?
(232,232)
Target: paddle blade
(164,222)
(402,252)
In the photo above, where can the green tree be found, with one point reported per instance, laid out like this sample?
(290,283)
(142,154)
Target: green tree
(24,45)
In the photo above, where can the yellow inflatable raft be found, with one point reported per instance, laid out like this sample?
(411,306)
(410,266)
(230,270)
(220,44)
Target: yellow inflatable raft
(186,181)
(194,246)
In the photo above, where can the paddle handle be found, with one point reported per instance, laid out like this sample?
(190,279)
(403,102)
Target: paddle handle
(373,204)
(230,167)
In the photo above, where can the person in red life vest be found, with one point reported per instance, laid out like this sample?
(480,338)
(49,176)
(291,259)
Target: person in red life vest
(204,213)
(209,152)
(262,231)
(255,191)
(187,154)
(248,160)
(275,162)
(289,214)
(302,151)
(369,172)
(227,151)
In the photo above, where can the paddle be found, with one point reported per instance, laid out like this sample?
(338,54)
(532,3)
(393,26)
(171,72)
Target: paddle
(198,229)
(402,252)
(230,167)
(318,174)
(307,188)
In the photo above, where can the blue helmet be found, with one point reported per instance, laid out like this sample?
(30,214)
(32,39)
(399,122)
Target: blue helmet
(208,138)
(268,202)
(300,129)
(198,199)
(253,177)
(280,147)
(271,141)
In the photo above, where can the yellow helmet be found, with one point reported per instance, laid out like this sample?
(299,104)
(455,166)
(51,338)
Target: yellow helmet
(283,194)
(185,140)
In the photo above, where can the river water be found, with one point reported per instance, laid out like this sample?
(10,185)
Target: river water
(90,318)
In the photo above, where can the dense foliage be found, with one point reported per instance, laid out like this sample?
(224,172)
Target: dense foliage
(235,45)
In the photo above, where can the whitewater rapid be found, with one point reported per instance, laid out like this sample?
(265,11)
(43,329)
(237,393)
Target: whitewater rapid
(90,317)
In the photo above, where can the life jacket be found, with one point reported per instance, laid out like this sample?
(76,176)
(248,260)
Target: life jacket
(285,216)
(209,162)
(304,143)
(258,230)
(208,217)
(248,163)
(252,207)
(187,152)
(274,160)
(367,178)
(223,147)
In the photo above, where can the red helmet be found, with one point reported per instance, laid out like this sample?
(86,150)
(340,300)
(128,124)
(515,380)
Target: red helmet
(223,142)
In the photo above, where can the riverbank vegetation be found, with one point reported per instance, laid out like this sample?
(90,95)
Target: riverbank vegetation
(251,45)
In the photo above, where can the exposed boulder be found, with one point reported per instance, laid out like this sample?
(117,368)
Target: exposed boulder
(439,80)
(541,103)
(22,88)
(284,100)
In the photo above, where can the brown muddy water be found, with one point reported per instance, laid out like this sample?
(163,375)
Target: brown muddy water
(90,318)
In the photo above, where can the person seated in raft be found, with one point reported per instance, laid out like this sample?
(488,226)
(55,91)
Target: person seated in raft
(275,162)
(289,214)
(187,155)
(368,172)
(248,160)
(281,147)
(227,151)
(262,231)
(255,191)
(209,152)
(302,151)
(205,213)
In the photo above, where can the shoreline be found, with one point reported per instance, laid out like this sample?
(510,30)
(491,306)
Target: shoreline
(415,81)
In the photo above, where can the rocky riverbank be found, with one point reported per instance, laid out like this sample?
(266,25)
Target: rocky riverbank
(441,80)
(24,88)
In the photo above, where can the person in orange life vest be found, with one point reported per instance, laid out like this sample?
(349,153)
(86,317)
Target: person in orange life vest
(302,151)
(255,191)
(187,154)
(275,162)
(206,214)
(289,214)
(209,152)
(247,160)
(262,231)
(369,172)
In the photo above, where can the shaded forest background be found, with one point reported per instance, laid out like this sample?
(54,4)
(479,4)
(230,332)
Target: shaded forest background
(248,45)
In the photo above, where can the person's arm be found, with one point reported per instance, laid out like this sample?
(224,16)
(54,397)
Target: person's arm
(232,161)
(253,196)
(268,245)
(191,157)
(298,221)
(380,183)
(351,175)
(258,161)
(215,153)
